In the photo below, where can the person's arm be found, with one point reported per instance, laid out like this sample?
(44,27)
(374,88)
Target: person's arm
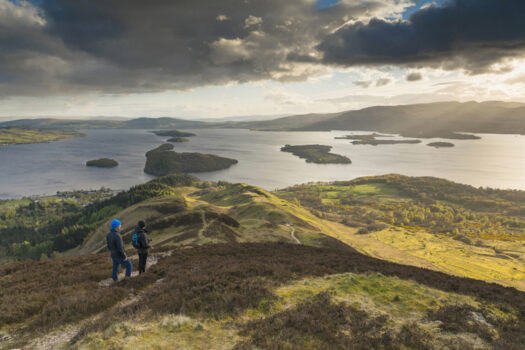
(120,249)
(107,242)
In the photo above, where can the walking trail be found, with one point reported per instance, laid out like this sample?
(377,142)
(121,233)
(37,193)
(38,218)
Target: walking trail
(60,339)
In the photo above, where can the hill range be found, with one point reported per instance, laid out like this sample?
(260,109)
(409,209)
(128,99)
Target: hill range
(441,119)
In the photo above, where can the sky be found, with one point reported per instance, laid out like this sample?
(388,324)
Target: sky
(206,58)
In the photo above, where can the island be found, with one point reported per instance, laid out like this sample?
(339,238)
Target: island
(15,136)
(178,139)
(163,161)
(319,154)
(361,137)
(443,135)
(102,163)
(173,133)
(384,142)
(371,139)
(440,144)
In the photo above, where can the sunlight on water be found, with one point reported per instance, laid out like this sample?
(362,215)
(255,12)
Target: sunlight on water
(494,161)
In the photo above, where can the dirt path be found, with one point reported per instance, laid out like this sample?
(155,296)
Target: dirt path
(61,338)
(292,234)
(152,260)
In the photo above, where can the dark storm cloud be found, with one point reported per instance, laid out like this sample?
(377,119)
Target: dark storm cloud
(56,47)
(66,46)
(469,34)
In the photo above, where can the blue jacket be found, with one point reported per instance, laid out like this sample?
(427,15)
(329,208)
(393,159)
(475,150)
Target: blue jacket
(115,245)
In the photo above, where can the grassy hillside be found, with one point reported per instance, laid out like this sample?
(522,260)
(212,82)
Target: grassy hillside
(458,229)
(422,120)
(237,267)
(14,136)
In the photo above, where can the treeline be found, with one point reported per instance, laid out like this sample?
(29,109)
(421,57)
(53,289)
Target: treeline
(41,229)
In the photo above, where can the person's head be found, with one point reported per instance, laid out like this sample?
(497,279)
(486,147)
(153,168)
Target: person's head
(142,224)
(115,225)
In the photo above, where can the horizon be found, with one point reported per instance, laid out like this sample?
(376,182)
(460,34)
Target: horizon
(235,118)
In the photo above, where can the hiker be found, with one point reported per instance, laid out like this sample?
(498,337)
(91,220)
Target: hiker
(141,241)
(118,255)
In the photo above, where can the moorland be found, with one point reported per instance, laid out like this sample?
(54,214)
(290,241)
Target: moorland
(379,262)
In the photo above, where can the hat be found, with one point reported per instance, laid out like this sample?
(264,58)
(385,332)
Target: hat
(142,224)
(115,223)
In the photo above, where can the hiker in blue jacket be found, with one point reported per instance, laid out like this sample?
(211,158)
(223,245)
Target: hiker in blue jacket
(118,255)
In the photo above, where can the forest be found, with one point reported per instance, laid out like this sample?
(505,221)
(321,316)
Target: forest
(440,206)
(36,229)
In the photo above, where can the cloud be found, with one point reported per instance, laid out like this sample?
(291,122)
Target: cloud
(414,76)
(363,83)
(383,81)
(378,82)
(520,79)
(283,97)
(252,21)
(467,34)
(62,47)
(226,51)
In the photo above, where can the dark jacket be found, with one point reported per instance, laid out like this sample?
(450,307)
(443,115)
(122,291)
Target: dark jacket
(143,240)
(115,245)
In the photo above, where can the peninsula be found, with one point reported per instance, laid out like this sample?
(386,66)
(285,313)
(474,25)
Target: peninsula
(14,136)
(371,139)
(102,163)
(162,161)
(319,154)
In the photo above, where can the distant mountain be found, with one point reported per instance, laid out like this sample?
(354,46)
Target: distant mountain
(162,123)
(243,118)
(441,119)
(420,120)
(139,123)
(287,123)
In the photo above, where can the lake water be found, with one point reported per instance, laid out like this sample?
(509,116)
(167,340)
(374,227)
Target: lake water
(494,161)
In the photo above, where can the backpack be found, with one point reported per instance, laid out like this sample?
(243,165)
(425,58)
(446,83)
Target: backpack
(135,240)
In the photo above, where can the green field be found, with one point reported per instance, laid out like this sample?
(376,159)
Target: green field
(14,136)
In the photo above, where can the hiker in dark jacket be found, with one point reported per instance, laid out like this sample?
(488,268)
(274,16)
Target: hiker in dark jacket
(118,255)
(142,245)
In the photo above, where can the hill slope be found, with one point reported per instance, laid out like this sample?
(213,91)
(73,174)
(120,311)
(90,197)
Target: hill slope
(458,229)
(227,270)
(422,120)
(245,296)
